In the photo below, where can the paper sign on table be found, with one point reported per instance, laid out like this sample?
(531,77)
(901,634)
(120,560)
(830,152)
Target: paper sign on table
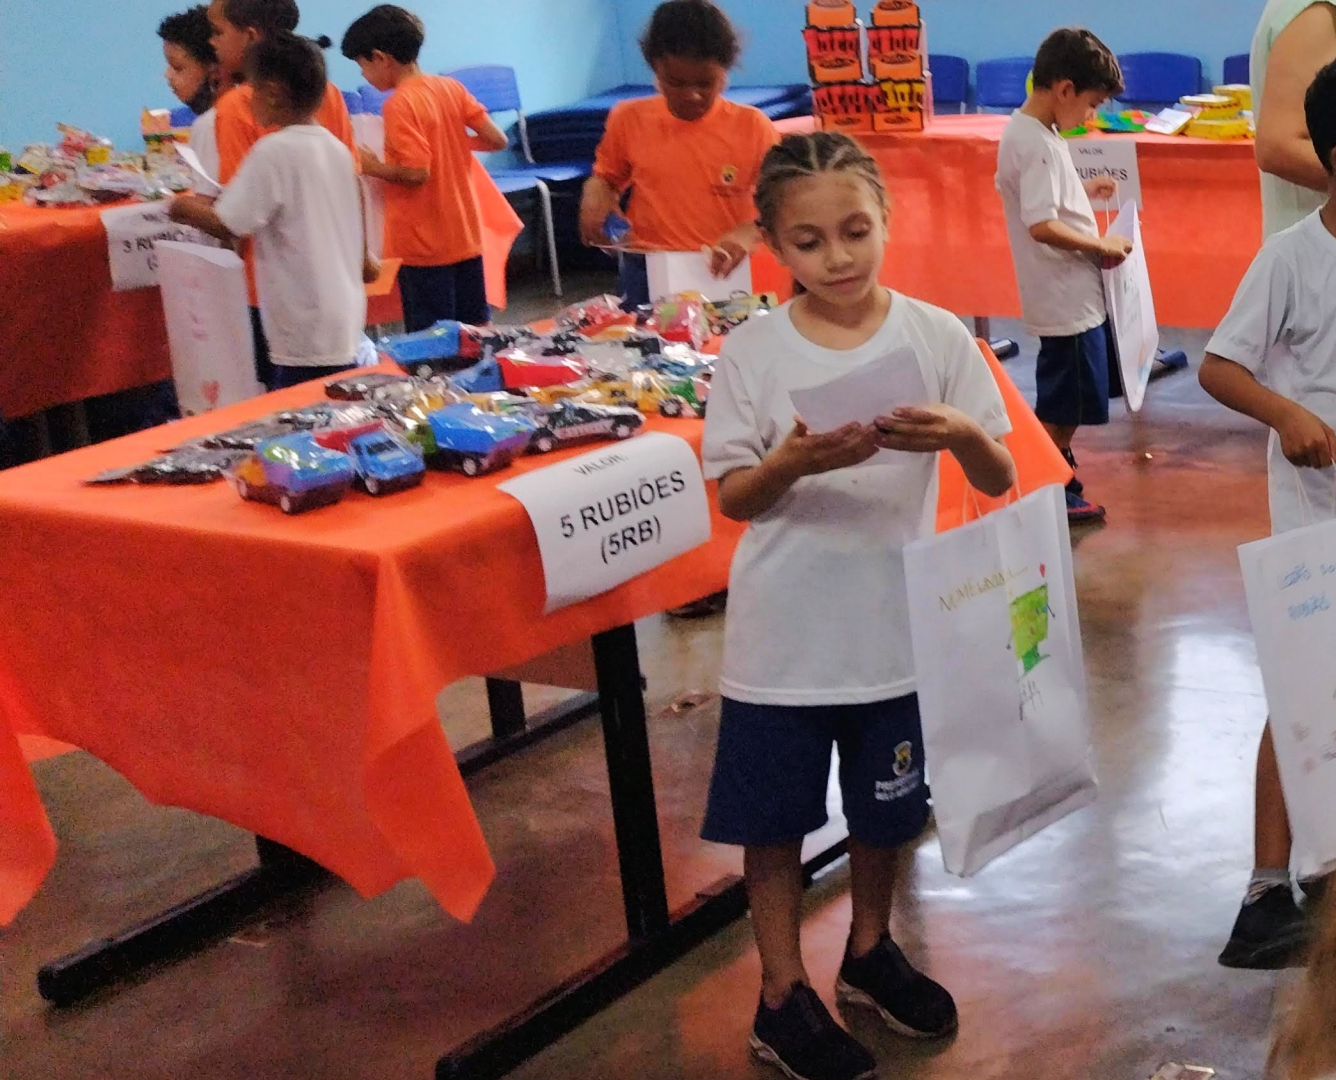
(204,183)
(204,300)
(1127,295)
(863,395)
(133,233)
(673,272)
(1113,157)
(613,514)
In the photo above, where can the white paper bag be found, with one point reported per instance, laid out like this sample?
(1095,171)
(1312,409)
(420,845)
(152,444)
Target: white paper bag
(369,131)
(1001,678)
(673,272)
(1290,582)
(204,299)
(1136,334)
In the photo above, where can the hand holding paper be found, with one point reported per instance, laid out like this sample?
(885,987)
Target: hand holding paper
(862,396)
(924,430)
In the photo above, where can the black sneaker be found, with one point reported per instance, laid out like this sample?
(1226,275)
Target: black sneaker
(1269,934)
(1074,485)
(803,1040)
(910,1002)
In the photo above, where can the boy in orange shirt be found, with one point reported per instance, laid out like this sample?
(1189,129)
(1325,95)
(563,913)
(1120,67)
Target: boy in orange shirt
(689,157)
(432,127)
(236,25)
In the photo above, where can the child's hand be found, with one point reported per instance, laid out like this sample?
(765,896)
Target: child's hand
(1114,250)
(1305,440)
(725,257)
(804,454)
(1101,188)
(185,209)
(925,429)
(370,269)
(370,161)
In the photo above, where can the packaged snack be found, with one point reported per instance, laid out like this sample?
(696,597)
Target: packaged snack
(1210,106)
(682,318)
(186,465)
(594,315)
(1239,93)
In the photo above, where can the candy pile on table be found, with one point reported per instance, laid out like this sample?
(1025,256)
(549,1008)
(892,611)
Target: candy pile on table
(473,399)
(1226,113)
(84,170)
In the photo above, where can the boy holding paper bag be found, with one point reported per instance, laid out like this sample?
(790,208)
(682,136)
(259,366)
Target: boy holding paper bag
(1283,323)
(1055,242)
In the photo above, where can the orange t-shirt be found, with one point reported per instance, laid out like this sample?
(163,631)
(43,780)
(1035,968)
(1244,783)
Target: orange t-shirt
(237,131)
(691,181)
(436,223)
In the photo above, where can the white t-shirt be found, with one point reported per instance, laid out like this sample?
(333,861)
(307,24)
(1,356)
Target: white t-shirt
(204,141)
(817,608)
(1283,203)
(296,194)
(1062,292)
(1282,325)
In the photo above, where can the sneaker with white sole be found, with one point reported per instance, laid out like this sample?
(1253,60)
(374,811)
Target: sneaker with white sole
(908,1001)
(804,1042)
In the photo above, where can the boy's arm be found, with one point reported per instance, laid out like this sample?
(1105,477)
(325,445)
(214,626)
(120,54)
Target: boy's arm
(1303,48)
(1112,249)
(198,211)
(486,136)
(1304,439)
(391,174)
(598,201)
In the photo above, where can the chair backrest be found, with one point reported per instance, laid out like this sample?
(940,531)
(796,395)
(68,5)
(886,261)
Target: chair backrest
(373,100)
(1238,69)
(183,116)
(950,79)
(1000,84)
(1158,78)
(353,99)
(494,85)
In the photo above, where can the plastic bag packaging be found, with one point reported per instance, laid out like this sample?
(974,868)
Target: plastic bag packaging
(187,465)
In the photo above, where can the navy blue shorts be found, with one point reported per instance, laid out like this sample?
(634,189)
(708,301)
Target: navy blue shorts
(772,772)
(432,293)
(1074,377)
(633,280)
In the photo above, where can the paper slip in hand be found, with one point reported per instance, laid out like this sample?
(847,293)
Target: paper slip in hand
(205,184)
(863,395)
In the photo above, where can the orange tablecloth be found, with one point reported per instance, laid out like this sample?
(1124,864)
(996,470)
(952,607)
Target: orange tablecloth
(281,673)
(1202,220)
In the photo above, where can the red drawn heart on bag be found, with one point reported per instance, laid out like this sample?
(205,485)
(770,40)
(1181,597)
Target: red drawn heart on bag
(211,391)
(1043,571)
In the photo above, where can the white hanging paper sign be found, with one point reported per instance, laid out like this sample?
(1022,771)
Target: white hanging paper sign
(1111,156)
(1131,307)
(133,233)
(613,514)
(204,300)
(204,183)
(369,131)
(673,272)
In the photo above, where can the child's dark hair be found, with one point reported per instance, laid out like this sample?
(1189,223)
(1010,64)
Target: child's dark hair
(393,30)
(1078,55)
(295,63)
(797,156)
(1320,109)
(695,29)
(190,29)
(266,16)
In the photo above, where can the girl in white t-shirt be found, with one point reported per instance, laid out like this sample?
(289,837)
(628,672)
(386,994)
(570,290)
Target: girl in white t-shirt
(817,648)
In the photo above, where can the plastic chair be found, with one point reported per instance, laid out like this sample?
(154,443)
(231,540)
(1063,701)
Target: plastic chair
(1158,78)
(950,80)
(183,116)
(373,100)
(353,99)
(498,91)
(1238,70)
(1000,84)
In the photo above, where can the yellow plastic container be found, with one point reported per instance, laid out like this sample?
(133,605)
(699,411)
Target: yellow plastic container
(1239,93)
(1211,106)
(1236,128)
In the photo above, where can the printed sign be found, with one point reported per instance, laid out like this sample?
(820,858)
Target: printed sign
(613,514)
(1131,307)
(132,236)
(1109,156)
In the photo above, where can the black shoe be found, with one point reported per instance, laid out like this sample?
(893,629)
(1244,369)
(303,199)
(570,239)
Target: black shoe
(910,1002)
(1269,934)
(803,1040)
(1074,485)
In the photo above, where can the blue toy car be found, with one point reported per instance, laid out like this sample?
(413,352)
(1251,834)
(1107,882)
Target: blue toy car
(385,463)
(295,473)
(448,346)
(464,438)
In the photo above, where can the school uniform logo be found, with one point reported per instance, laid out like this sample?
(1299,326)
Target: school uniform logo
(729,175)
(904,759)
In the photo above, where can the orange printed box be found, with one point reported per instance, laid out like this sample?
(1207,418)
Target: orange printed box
(827,13)
(853,124)
(833,55)
(897,121)
(895,13)
(896,66)
(898,94)
(845,99)
(894,40)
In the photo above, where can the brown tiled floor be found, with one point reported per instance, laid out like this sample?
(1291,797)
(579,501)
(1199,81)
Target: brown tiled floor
(1088,952)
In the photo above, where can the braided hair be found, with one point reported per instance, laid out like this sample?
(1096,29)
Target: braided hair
(797,156)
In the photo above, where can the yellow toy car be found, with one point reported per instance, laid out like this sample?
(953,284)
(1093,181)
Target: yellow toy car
(643,390)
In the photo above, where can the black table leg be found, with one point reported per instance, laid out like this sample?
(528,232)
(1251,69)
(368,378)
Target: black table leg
(656,937)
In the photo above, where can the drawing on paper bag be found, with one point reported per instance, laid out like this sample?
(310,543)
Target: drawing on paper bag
(1030,615)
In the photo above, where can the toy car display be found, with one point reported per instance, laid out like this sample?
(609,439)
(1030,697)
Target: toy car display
(295,473)
(365,387)
(595,315)
(682,319)
(727,315)
(569,422)
(464,438)
(515,369)
(646,391)
(385,463)
(681,362)
(450,346)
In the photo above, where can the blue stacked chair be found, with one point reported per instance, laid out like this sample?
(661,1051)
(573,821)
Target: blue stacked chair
(1238,69)
(1155,80)
(1000,84)
(950,81)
